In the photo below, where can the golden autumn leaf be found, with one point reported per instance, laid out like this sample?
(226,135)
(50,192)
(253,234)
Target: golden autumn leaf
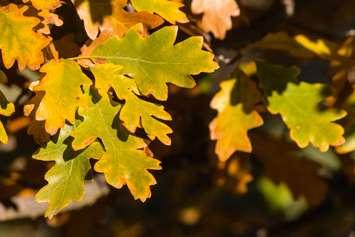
(62,87)
(135,112)
(236,115)
(216,15)
(18,40)
(124,161)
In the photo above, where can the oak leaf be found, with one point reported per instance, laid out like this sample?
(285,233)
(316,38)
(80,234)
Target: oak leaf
(124,160)
(136,112)
(18,40)
(66,178)
(299,107)
(155,61)
(216,15)
(236,115)
(62,89)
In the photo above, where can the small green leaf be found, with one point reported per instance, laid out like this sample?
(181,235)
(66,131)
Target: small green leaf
(66,178)
(299,106)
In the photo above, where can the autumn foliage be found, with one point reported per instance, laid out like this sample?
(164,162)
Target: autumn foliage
(99,106)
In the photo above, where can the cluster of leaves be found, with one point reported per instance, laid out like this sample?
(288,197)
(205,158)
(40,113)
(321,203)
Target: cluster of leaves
(317,112)
(93,104)
(308,109)
(106,103)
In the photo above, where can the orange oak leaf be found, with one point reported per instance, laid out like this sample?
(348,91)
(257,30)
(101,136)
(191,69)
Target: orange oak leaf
(216,15)
(236,115)
(115,20)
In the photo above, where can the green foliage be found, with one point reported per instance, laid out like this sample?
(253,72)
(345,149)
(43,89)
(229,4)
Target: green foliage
(66,178)
(300,106)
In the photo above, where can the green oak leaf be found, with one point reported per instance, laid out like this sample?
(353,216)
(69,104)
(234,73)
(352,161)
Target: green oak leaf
(135,112)
(155,61)
(66,178)
(299,106)
(6,109)
(124,160)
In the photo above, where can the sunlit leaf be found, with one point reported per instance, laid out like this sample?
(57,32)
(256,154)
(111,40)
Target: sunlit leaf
(62,89)
(135,112)
(66,178)
(18,40)
(155,61)
(299,104)
(216,15)
(236,116)
(124,160)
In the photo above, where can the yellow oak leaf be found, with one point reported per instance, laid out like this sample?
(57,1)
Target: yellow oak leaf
(62,87)
(18,40)
(235,104)
(168,9)
(135,112)
(216,15)
(124,160)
